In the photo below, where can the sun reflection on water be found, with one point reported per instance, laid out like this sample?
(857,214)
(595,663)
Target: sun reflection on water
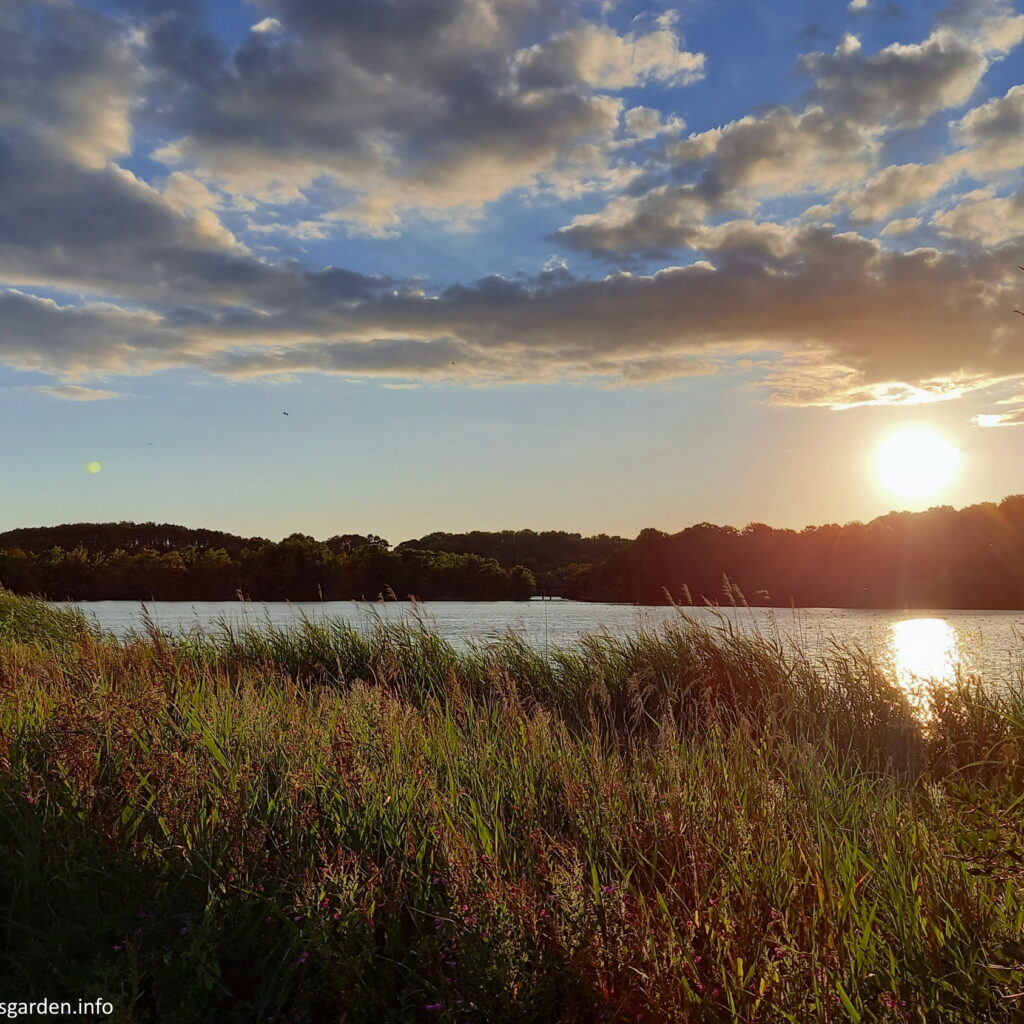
(925,654)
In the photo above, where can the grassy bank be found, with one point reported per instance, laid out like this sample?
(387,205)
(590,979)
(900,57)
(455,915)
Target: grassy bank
(319,824)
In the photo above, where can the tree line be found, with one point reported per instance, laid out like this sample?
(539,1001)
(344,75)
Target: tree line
(127,561)
(941,558)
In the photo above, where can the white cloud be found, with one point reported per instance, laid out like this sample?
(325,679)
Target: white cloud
(853,323)
(604,59)
(448,106)
(902,226)
(647,123)
(70,77)
(740,164)
(267,25)
(984,217)
(902,84)
(849,44)
(76,393)
(831,148)
(895,187)
(438,110)
(192,198)
(1003,419)
(994,133)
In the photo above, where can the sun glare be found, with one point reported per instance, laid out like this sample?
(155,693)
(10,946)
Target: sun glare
(925,654)
(916,462)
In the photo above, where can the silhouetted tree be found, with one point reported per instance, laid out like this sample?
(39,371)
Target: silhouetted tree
(971,558)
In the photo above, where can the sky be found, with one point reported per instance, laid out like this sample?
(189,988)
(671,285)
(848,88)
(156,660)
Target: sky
(398,266)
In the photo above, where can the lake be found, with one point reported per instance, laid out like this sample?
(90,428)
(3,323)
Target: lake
(917,644)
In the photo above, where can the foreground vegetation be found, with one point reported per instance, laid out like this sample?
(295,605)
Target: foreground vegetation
(320,824)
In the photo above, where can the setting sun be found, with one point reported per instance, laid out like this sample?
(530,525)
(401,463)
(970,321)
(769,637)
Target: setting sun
(916,462)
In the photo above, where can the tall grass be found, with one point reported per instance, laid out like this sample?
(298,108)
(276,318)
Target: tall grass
(323,824)
(40,624)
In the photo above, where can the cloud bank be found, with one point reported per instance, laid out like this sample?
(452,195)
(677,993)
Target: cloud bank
(783,244)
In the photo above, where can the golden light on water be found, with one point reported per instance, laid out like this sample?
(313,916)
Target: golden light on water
(916,462)
(925,654)
(93,467)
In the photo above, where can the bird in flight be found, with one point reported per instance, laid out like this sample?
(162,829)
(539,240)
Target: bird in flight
(285,414)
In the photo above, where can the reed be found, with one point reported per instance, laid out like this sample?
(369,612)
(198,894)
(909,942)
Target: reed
(327,824)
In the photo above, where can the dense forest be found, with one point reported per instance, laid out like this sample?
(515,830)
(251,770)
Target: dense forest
(129,561)
(558,560)
(942,558)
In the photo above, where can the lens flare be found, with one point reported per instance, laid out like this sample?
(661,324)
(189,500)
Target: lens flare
(93,467)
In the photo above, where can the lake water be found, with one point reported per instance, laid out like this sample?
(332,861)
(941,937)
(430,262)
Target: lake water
(918,644)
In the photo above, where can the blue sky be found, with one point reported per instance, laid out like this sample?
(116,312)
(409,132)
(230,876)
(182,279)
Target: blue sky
(504,263)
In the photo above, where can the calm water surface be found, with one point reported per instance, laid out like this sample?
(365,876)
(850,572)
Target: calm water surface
(917,645)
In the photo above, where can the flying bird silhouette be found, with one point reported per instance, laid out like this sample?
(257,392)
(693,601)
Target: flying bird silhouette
(285,414)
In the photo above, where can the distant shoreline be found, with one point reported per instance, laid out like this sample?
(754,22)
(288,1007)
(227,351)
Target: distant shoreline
(969,559)
(414,601)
